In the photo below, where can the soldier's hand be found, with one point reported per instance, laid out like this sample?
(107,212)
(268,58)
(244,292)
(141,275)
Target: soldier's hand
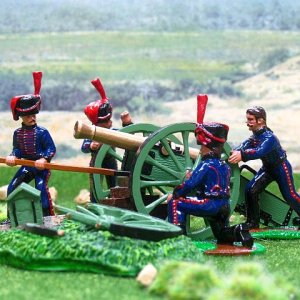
(40,163)
(235,157)
(169,197)
(188,173)
(10,160)
(95,145)
(125,118)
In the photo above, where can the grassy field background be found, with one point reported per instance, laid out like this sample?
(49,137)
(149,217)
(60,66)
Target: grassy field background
(118,56)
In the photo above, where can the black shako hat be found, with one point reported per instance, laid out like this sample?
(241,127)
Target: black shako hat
(28,105)
(212,135)
(99,111)
(25,105)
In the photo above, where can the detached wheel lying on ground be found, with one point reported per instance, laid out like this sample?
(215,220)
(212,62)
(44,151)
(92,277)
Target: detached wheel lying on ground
(123,222)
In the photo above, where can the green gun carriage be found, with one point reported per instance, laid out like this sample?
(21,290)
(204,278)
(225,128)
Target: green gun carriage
(157,159)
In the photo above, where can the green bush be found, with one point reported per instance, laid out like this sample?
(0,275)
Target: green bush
(273,58)
(246,281)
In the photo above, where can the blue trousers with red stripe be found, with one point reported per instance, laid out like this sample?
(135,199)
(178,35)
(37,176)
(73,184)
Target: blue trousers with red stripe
(179,208)
(215,211)
(283,175)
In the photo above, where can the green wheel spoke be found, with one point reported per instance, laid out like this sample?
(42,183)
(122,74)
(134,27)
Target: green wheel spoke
(187,158)
(115,154)
(155,203)
(162,189)
(150,190)
(169,150)
(157,183)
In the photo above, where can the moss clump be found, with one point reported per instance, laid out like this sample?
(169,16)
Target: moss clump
(247,281)
(166,277)
(185,280)
(194,282)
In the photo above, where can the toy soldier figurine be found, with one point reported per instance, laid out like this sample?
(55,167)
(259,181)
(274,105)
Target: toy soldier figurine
(31,142)
(99,112)
(264,145)
(211,181)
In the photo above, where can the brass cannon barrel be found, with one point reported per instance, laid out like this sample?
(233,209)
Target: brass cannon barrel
(116,138)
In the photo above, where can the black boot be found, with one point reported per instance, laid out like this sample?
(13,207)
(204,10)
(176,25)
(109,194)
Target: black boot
(252,210)
(46,212)
(241,234)
(250,224)
(296,222)
(183,229)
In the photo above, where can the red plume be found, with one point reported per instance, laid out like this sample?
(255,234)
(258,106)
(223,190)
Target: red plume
(98,85)
(37,81)
(201,107)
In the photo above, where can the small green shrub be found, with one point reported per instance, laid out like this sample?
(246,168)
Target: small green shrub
(246,281)
(273,58)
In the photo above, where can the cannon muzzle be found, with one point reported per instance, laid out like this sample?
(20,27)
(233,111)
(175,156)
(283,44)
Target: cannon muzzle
(116,138)
(107,136)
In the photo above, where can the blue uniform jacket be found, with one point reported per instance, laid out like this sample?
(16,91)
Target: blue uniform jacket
(210,179)
(263,145)
(33,142)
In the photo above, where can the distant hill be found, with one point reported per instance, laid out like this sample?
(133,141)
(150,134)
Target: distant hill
(17,16)
(277,90)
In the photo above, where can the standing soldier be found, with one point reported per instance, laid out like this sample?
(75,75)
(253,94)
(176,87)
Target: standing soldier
(264,145)
(99,112)
(31,142)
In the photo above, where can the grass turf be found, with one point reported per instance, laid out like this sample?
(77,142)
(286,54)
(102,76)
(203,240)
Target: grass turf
(280,259)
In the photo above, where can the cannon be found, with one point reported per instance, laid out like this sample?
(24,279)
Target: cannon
(157,159)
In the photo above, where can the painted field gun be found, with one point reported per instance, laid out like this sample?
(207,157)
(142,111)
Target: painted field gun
(157,159)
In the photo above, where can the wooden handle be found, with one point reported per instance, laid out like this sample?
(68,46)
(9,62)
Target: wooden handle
(68,168)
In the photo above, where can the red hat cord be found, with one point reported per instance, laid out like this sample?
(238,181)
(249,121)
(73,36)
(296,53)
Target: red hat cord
(37,81)
(92,109)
